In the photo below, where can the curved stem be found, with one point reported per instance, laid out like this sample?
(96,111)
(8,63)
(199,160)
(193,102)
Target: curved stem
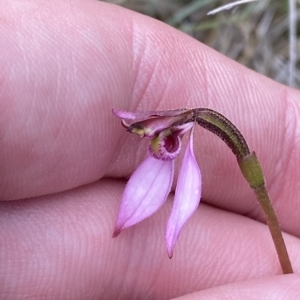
(252,171)
(224,129)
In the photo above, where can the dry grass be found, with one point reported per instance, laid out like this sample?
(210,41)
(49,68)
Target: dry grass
(261,35)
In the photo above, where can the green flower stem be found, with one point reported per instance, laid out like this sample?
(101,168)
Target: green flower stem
(252,171)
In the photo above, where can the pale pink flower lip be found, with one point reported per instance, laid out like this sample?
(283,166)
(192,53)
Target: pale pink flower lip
(145,192)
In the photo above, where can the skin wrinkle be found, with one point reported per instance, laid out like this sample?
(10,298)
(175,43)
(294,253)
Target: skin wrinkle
(272,184)
(137,50)
(136,265)
(71,245)
(143,85)
(158,77)
(172,78)
(254,251)
(205,85)
(150,83)
(154,263)
(164,94)
(58,134)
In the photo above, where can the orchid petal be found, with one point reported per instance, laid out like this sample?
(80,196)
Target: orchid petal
(143,115)
(187,196)
(145,192)
(127,115)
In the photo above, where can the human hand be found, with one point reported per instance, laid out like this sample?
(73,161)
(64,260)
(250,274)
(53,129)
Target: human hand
(64,66)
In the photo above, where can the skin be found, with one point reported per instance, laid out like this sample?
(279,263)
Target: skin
(65,160)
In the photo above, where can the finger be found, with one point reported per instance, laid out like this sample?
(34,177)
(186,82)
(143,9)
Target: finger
(88,57)
(61,246)
(62,74)
(269,288)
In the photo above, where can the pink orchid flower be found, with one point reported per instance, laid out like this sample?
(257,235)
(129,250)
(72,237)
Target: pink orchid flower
(150,184)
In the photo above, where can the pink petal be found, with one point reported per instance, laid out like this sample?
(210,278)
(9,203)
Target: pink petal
(145,192)
(122,114)
(143,115)
(187,196)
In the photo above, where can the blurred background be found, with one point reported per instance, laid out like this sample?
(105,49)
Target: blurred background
(261,35)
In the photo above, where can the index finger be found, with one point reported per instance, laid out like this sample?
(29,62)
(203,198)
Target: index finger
(66,65)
